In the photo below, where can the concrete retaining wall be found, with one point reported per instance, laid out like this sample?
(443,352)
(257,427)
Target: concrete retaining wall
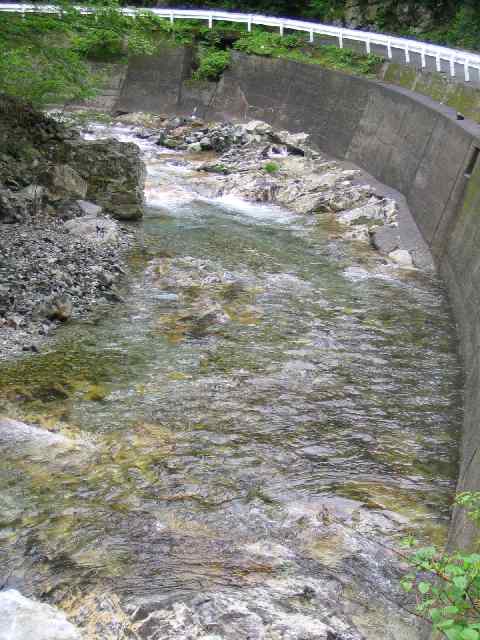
(405,140)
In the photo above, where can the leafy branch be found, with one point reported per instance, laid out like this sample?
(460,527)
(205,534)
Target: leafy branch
(447,585)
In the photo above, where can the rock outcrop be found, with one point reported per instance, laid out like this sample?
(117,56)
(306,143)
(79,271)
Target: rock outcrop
(114,174)
(45,167)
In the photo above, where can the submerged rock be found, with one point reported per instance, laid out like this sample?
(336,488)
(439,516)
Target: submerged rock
(14,433)
(25,619)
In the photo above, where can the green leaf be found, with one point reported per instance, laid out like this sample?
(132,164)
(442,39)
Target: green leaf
(406,586)
(454,633)
(469,634)
(424,587)
(446,624)
(435,615)
(460,582)
(452,570)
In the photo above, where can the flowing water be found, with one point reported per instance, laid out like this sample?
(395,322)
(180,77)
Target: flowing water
(265,416)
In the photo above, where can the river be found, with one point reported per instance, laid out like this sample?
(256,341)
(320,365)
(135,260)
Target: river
(265,416)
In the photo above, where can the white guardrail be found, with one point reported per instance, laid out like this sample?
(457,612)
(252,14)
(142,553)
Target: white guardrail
(442,57)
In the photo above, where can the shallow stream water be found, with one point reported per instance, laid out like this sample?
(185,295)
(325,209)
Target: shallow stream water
(266,415)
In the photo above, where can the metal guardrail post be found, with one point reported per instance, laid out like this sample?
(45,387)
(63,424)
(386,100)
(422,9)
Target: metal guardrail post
(452,67)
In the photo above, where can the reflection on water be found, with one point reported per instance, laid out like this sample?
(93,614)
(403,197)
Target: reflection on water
(245,437)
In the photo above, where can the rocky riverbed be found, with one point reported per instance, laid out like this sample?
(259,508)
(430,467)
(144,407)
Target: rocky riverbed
(220,458)
(61,251)
(256,163)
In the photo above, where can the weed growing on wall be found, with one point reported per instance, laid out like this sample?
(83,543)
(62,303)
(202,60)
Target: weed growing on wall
(447,585)
(212,64)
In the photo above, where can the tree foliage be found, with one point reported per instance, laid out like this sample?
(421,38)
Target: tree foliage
(45,57)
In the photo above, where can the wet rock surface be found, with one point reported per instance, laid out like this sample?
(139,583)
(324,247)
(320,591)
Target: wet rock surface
(25,619)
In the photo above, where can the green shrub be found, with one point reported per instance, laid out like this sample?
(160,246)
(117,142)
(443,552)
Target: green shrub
(295,47)
(447,585)
(213,63)
(347,60)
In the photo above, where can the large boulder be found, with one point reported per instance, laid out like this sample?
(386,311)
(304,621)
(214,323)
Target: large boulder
(25,619)
(108,172)
(115,174)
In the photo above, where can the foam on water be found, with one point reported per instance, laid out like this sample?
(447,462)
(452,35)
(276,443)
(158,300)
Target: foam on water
(257,212)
